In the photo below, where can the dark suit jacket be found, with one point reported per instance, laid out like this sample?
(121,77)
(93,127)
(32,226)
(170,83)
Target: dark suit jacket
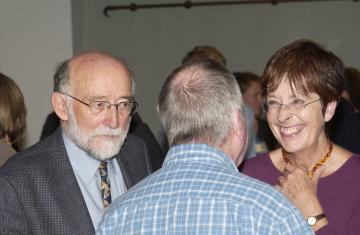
(39,193)
(142,130)
(344,127)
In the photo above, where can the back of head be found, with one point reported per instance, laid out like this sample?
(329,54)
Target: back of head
(308,68)
(352,86)
(12,110)
(203,53)
(197,102)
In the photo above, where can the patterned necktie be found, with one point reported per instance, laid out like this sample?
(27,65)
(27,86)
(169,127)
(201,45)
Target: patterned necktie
(105,184)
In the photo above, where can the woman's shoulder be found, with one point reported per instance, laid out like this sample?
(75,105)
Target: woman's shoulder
(348,168)
(354,161)
(345,159)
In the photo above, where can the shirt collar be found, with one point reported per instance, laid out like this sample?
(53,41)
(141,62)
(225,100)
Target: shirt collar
(83,164)
(198,152)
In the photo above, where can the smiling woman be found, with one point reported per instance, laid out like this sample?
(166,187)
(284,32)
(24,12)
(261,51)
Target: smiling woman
(302,84)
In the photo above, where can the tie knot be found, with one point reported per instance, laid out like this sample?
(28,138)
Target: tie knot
(103,165)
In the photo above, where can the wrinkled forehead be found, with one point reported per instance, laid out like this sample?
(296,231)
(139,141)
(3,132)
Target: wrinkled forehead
(99,77)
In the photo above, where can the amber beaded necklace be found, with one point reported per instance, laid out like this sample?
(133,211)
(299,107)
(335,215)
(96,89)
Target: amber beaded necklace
(317,165)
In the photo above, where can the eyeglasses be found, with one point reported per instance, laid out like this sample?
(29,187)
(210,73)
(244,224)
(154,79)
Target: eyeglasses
(100,107)
(296,105)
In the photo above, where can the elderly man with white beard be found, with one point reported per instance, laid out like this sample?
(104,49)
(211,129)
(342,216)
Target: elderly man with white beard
(63,184)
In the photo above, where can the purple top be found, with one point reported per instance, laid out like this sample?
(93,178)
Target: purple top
(338,193)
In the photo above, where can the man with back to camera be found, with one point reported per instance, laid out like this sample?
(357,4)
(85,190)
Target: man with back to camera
(63,184)
(207,52)
(199,189)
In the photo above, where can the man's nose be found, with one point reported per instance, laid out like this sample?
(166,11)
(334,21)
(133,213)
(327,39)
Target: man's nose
(112,117)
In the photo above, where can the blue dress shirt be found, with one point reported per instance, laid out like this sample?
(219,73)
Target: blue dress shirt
(88,177)
(200,191)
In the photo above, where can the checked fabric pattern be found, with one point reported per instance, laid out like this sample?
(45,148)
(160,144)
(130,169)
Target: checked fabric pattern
(105,184)
(199,191)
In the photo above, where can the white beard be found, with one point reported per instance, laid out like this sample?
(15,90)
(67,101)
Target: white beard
(103,150)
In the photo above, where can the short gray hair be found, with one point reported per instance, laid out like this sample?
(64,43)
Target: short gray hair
(197,103)
(61,77)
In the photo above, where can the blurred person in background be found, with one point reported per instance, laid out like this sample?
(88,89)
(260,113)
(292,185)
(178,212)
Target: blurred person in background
(251,89)
(12,117)
(352,88)
(344,128)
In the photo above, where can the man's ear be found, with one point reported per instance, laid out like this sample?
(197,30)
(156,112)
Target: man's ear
(239,138)
(58,101)
(330,110)
(240,126)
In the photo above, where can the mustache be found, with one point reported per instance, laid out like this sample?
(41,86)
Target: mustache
(107,131)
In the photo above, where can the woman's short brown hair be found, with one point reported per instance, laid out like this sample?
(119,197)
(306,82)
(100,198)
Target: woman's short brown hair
(309,68)
(12,110)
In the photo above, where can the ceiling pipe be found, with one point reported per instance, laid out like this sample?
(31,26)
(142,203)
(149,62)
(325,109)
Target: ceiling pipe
(189,4)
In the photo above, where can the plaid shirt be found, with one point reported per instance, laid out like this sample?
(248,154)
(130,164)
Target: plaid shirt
(200,191)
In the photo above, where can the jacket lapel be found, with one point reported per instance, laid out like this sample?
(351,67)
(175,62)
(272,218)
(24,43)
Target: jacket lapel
(65,189)
(133,161)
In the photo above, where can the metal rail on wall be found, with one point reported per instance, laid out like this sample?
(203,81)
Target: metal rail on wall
(190,4)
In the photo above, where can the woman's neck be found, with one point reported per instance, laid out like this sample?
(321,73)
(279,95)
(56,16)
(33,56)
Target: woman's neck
(311,155)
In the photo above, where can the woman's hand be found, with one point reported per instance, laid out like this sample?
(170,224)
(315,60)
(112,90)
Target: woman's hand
(301,190)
